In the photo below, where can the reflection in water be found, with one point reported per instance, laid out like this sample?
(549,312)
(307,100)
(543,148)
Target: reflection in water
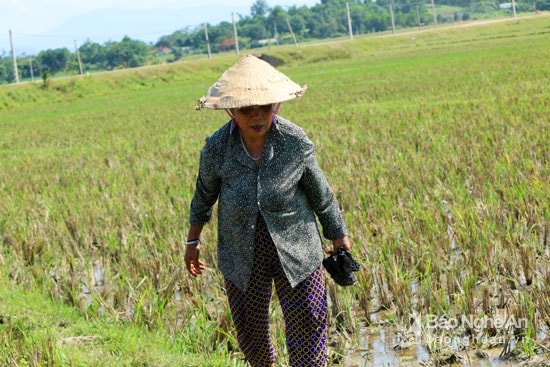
(376,349)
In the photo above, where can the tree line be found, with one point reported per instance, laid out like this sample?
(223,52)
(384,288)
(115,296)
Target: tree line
(264,24)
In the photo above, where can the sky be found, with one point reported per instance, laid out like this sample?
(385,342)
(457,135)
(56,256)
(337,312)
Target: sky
(43,24)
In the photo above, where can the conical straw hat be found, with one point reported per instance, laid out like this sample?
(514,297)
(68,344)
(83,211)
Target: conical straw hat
(250,82)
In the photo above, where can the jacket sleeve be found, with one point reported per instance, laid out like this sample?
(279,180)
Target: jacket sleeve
(320,196)
(207,188)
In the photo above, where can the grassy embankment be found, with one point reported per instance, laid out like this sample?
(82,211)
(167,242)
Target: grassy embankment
(436,144)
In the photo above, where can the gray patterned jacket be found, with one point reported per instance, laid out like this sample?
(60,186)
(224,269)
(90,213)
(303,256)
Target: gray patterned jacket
(287,189)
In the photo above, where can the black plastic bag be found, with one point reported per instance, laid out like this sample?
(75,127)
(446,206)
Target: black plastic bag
(340,266)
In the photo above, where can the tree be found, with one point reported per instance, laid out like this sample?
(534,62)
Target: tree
(259,8)
(53,61)
(24,68)
(543,5)
(483,7)
(93,55)
(127,53)
(255,31)
(276,20)
(298,24)
(219,34)
(5,73)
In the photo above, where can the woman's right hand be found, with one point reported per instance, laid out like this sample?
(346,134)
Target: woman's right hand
(192,262)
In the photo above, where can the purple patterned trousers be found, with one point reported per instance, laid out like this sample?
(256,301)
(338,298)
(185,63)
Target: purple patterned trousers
(304,309)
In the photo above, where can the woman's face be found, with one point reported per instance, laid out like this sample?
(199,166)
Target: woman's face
(254,121)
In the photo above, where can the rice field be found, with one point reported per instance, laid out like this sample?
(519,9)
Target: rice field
(436,144)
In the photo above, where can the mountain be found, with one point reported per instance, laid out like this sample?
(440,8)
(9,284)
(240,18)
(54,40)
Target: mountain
(113,24)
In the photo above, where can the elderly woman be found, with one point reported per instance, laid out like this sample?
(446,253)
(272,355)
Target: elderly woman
(263,171)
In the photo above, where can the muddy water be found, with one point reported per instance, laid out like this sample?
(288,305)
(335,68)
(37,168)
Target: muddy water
(377,350)
(378,347)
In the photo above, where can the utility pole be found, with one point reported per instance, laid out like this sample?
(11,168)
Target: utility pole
(435,16)
(78,57)
(276,33)
(207,40)
(15,71)
(235,33)
(30,67)
(514,8)
(292,33)
(349,22)
(392,20)
(418,16)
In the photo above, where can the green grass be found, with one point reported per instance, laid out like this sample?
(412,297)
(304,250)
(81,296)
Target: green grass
(436,144)
(34,331)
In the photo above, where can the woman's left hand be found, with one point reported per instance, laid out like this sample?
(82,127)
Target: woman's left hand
(340,242)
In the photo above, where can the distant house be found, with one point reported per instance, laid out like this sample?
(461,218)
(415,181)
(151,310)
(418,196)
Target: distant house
(163,51)
(268,41)
(227,44)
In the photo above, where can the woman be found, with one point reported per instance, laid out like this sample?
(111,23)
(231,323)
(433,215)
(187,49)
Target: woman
(262,169)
